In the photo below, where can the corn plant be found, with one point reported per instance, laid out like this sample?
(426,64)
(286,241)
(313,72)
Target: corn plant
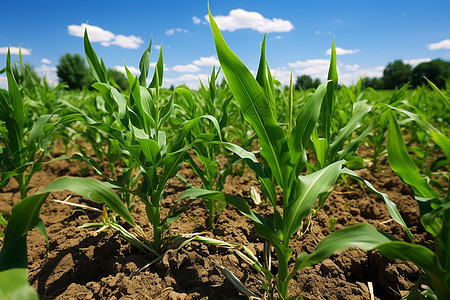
(435,217)
(212,101)
(25,216)
(284,156)
(23,142)
(143,132)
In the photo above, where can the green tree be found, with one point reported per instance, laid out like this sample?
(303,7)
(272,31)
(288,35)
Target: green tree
(73,71)
(306,82)
(374,82)
(437,70)
(396,74)
(118,78)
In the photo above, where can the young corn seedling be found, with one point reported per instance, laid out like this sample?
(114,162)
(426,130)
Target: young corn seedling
(284,159)
(143,117)
(212,101)
(25,216)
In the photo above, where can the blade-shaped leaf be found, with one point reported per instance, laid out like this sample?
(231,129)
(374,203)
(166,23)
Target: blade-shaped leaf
(144,64)
(96,68)
(391,206)
(403,165)
(304,126)
(254,105)
(306,191)
(14,285)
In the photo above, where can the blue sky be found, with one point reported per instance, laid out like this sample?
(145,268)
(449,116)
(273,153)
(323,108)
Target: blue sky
(368,34)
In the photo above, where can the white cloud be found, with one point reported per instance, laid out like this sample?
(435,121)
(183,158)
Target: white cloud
(207,61)
(340,51)
(128,42)
(242,19)
(189,68)
(3,82)
(95,33)
(133,70)
(49,72)
(157,47)
(309,63)
(190,80)
(46,61)
(444,44)
(196,20)
(15,50)
(105,37)
(353,68)
(278,37)
(318,68)
(173,30)
(414,62)
(282,75)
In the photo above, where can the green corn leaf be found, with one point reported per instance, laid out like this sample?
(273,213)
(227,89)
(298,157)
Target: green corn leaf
(18,111)
(144,65)
(263,79)
(96,68)
(366,237)
(391,206)
(403,165)
(237,202)
(150,148)
(24,216)
(306,191)
(290,104)
(157,79)
(444,98)
(40,226)
(360,110)
(14,285)
(328,103)
(304,127)
(440,139)
(255,107)
(94,190)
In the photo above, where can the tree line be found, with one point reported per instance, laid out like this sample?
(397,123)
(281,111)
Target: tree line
(73,71)
(395,75)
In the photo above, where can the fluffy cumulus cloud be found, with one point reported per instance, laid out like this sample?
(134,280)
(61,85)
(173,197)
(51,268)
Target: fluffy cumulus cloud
(174,30)
(444,44)
(341,51)
(206,61)
(191,80)
(416,61)
(242,19)
(196,20)
(105,37)
(310,63)
(15,50)
(129,42)
(3,82)
(282,74)
(46,61)
(189,68)
(133,70)
(318,68)
(49,72)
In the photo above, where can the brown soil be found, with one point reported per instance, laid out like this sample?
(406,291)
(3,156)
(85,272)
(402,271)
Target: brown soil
(84,264)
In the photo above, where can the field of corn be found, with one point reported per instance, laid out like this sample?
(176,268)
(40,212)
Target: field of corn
(244,188)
